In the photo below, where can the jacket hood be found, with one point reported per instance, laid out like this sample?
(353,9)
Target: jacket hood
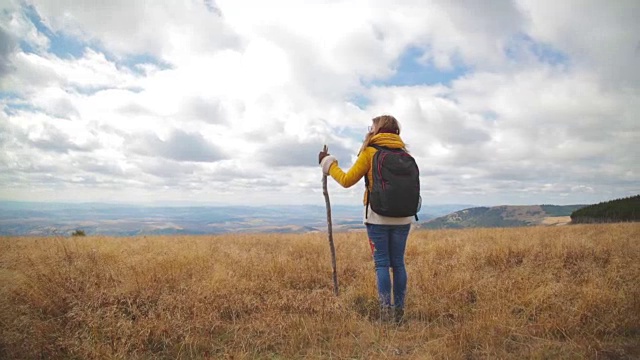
(392,141)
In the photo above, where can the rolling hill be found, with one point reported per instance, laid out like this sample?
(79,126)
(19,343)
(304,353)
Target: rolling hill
(504,216)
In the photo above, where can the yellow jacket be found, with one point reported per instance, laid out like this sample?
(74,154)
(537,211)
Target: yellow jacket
(362,165)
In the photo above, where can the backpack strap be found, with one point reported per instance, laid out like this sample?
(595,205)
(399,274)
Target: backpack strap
(366,207)
(366,180)
(366,186)
(378,147)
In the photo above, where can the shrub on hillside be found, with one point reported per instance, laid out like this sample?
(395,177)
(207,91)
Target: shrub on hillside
(78,232)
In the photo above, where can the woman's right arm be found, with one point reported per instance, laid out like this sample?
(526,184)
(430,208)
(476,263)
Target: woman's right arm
(357,171)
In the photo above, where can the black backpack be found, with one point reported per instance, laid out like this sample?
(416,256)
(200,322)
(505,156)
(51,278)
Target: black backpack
(396,183)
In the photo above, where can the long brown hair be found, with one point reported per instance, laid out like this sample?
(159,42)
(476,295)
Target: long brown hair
(384,122)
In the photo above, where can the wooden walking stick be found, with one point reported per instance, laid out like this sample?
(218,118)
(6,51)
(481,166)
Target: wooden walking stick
(325,192)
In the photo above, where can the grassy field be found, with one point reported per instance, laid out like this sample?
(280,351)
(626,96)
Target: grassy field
(569,292)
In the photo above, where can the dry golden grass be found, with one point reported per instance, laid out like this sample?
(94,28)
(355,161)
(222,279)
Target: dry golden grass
(542,292)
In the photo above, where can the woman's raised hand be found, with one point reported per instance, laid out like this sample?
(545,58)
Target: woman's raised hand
(323,154)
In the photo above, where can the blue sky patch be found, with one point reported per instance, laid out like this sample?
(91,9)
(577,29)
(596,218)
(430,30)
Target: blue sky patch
(26,47)
(489,115)
(545,53)
(8,95)
(360,101)
(92,90)
(353,133)
(132,61)
(13,108)
(61,45)
(410,71)
(66,46)
(212,7)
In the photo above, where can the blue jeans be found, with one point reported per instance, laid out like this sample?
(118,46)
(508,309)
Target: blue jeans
(388,243)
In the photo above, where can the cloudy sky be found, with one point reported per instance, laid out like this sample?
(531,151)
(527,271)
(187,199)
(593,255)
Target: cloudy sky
(229,101)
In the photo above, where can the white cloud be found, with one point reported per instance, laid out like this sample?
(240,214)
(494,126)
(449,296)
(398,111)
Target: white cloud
(177,145)
(193,100)
(168,30)
(600,37)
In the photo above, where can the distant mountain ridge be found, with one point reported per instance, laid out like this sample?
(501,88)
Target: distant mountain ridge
(504,216)
(23,218)
(36,219)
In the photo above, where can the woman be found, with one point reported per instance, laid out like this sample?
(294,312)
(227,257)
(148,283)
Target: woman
(387,235)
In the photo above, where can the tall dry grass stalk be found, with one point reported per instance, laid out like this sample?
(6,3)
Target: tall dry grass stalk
(543,292)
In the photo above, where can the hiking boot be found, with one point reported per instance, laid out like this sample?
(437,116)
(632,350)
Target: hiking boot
(386,314)
(398,316)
